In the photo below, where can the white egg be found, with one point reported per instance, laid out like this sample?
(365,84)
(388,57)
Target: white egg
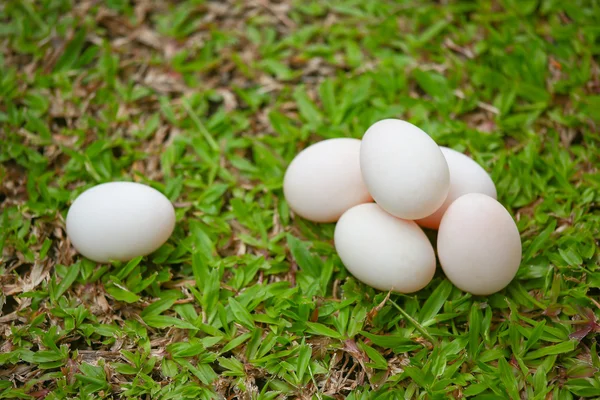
(324,180)
(404,169)
(466,176)
(118,221)
(478,244)
(383,251)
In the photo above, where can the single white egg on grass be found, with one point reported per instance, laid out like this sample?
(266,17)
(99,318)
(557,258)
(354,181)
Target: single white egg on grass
(383,251)
(118,221)
(404,169)
(478,244)
(324,180)
(466,176)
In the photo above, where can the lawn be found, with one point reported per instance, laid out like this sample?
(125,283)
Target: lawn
(208,102)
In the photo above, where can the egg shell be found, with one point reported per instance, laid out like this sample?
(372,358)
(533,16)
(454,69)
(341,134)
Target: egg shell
(383,251)
(404,169)
(118,221)
(466,176)
(324,180)
(478,244)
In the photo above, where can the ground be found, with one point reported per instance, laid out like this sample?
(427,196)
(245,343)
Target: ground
(208,101)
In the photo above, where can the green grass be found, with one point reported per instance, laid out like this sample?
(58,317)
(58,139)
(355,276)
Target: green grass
(208,102)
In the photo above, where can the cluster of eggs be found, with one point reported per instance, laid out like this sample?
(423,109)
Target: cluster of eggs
(414,183)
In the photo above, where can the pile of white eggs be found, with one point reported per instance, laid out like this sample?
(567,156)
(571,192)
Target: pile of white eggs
(414,183)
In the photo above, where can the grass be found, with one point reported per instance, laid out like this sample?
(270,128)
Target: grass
(208,102)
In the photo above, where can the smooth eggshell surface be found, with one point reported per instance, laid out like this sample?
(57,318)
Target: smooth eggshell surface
(383,251)
(466,176)
(478,244)
(118,221)
(404,169)
(324,180)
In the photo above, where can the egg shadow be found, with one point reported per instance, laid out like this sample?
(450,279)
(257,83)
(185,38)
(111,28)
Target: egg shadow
(432,235)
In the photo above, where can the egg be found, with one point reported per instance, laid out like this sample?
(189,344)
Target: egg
(118,221)
(403,169)
(383,251)
(324,180)
(466,176)
(478,244)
